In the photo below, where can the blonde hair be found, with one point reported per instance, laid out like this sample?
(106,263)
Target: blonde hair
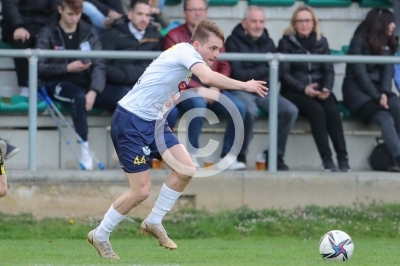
(204,29)
(292,29)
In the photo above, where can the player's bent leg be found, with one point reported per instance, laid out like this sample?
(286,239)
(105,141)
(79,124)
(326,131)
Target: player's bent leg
(139,190)
(140,186)
(183,168)
(178,159)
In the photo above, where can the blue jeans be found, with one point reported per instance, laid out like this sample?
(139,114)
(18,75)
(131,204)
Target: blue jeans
(196,124)
(161,4)
(94,14)
(172,116)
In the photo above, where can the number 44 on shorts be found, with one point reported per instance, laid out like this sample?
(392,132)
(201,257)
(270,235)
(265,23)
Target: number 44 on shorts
(139,161)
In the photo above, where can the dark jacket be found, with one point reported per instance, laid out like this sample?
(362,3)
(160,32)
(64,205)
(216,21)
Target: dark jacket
(126,72)
(297,75)
(23,13)
(239,42)
(55,69)
(104,6)
(182,34)
(365,82)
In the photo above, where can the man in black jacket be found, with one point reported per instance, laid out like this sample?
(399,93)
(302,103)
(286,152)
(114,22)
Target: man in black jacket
(22,20)
(134,34)
(77,83)
(250,36)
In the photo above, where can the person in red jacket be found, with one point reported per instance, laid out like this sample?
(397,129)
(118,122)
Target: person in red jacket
(195,11)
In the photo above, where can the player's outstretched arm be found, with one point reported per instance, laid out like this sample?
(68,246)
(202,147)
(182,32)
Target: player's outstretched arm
(214,79)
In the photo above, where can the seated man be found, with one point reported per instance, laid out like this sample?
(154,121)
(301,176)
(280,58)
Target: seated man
(135,34)
(76,83)
(22,20)
(195,11)
(250,36)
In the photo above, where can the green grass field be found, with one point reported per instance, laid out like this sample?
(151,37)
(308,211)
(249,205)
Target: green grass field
(240,237)
(249,251)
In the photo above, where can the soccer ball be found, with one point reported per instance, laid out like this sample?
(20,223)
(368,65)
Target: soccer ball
(336,245)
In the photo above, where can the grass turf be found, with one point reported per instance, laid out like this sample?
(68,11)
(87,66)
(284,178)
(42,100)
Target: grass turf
(145,251)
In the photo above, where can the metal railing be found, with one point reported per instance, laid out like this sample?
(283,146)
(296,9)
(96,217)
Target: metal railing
(273,60)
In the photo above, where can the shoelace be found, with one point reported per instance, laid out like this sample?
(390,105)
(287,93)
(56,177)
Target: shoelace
(162,229)
(107,246)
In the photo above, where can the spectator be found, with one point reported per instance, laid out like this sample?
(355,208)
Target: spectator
(367,88)
(194,12)
(135,34)
(22,20)
(78,84)
(250,36)
(158,17)
(309,86)
(103,13)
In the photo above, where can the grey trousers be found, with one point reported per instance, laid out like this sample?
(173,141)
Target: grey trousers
(389,123)
(287,115)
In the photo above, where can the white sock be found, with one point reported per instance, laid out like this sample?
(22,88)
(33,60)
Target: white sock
(164,203)
(85,149)
(111,219)
(24,91)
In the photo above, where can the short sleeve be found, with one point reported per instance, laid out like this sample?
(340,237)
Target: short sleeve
(188,56)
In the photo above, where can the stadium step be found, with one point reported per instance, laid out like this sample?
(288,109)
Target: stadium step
(271,2)
(173,2)
(223,2)
(375,3)
(328,3)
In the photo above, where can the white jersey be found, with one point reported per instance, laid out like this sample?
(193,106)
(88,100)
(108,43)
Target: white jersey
(161,83)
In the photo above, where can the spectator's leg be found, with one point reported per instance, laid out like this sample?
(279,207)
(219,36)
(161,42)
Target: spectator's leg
(287,115)
(384,120)
(94,14)
(335,127)
(161,4)
(21,64)
(249,101)
(172,117)
(195,125)
(110,96)
(74,97)
(394,109)
(116,5)
(315,114)
(220,110)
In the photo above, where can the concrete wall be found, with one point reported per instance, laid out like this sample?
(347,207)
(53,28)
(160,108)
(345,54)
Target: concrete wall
(69,194)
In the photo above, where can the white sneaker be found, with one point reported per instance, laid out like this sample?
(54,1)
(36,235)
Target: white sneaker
(87,162)
(195,161)
(86,158)
(231,163)
(24,92)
